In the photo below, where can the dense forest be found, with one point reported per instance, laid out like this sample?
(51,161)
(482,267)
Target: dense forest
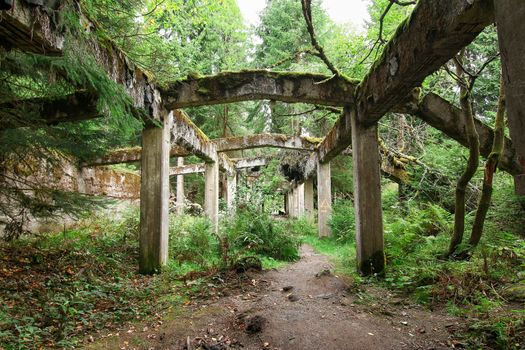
(454,229)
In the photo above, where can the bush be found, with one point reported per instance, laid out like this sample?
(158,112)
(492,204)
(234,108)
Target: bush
(192,240)
(257,233)
(342,221)
(302,227)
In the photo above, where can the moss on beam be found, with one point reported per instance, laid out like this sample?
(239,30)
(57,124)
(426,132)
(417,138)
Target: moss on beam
(244,85)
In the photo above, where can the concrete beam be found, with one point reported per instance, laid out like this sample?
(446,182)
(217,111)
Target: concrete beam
(154,197)
(367,197)
(510,16)
(247,85)
(435,31)
(70,108)
(30,28)
(187,169)
(131,155)
(186,134)
(266,140)
(444,116)
(242,163)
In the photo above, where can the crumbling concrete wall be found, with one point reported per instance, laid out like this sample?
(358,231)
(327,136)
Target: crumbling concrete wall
(64,175)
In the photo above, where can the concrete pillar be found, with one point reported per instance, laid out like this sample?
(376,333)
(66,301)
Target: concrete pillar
(211,193)
(231,191)
(510,16)
(324,199)
(290,203)
(154,197)
(367,198)
(300,200)
(179,194)
(309,199)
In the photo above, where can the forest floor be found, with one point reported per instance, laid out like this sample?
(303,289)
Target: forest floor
(316,310)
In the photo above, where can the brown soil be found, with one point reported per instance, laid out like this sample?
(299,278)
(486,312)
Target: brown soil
(319,312)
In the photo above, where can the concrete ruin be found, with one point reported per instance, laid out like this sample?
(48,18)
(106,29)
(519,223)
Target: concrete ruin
(433,34)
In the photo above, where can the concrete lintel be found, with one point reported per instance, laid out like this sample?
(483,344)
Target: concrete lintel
(266,140)
(242,163)
(187,169)
(227,87)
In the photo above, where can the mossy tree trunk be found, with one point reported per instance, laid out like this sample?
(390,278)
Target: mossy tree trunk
(490,168)
(473,160)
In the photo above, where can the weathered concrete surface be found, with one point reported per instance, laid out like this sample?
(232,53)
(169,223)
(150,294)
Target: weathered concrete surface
(131,155)
(444,116)
(266,140)
(324,199)
(435,31)
(30,29)
(510,15)
(186,169)
(433,34)
(186,134)
(71,108)
(230,87)
(300,199)
(64,175)
(154,197)
(309,199)
(211,193)
(231,191)
(242,163)
(179,191)
(367,198)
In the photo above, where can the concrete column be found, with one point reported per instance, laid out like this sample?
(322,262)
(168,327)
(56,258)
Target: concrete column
(211,193)
(231,191)
(309,199)
(289,203)
(154,197)
(510,16)
(324,199)
(179,194)
(300,200)
(367,198)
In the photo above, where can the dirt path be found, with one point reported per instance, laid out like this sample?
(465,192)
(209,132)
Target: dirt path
(319,312)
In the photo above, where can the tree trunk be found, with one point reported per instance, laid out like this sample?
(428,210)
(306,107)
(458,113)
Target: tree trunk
(490,168)
(473,161)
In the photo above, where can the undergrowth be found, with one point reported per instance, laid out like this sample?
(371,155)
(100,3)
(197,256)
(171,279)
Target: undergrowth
(488,289)
(57,288)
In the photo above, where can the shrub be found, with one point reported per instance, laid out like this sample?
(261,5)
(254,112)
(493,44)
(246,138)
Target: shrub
(192,240)
(342,221)
(257,233)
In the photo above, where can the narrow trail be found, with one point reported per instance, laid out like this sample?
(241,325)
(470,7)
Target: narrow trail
(319,312)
